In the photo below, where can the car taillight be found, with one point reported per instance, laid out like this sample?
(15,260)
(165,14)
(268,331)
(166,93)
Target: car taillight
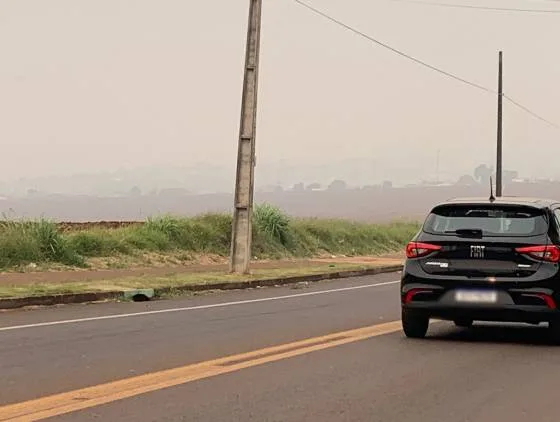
(418,249)
(544,297)
(406,299)
(549,253)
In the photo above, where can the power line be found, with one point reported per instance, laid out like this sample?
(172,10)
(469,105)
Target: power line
(394,50)
(422,63)
(473,7)
(532,113)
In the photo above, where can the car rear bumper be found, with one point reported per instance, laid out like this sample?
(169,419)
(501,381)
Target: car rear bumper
(499,313)
(531,302)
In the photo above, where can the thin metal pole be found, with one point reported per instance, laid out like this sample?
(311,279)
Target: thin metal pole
(437,166)
(499,148)
(244,185)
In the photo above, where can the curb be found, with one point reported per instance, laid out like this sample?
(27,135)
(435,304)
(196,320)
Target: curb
(62,299)
(75,298)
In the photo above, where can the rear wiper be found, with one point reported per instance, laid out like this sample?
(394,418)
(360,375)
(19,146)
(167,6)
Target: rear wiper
(466,232)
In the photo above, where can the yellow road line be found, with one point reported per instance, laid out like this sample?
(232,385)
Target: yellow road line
(72,401)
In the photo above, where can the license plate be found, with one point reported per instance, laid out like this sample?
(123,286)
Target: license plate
(470,296)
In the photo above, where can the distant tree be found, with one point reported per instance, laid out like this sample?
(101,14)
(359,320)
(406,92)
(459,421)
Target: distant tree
(337,185)
(298,187)
(387,184)
(507,176)
(483,173)
(313,186)
(135,192)
(278,189)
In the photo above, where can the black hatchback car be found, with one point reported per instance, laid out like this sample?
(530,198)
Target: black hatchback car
(484,260)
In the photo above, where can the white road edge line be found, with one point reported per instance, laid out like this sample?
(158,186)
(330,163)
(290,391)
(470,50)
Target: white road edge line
(194,308)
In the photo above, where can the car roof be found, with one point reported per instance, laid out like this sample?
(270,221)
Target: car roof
(505,200)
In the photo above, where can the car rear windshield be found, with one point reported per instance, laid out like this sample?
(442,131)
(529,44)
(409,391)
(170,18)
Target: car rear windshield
(494,220)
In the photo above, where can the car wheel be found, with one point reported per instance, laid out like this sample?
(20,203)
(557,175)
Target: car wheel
(414,325)
(463,322)
(554,331)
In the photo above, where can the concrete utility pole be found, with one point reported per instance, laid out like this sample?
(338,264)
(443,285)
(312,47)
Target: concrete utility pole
(499,144)
(244,184)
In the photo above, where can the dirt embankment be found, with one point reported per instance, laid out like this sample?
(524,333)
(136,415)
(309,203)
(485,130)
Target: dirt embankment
(45,277)
(67,226)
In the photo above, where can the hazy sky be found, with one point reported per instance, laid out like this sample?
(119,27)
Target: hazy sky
(102,84)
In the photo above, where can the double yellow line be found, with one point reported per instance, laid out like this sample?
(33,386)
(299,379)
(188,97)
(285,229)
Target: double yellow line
(59,404)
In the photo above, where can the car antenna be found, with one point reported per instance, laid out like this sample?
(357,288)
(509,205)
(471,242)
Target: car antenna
(492,197)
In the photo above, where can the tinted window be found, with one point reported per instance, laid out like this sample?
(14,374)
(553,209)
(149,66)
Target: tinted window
(495,220)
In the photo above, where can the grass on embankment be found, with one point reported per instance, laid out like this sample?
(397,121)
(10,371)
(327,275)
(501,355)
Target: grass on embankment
(170,281)
(275,236)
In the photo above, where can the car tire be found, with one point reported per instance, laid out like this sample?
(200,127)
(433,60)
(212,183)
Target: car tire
(463,322)
(414,325)
(554,331)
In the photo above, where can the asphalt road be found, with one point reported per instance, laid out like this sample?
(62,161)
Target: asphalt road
(490,373)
